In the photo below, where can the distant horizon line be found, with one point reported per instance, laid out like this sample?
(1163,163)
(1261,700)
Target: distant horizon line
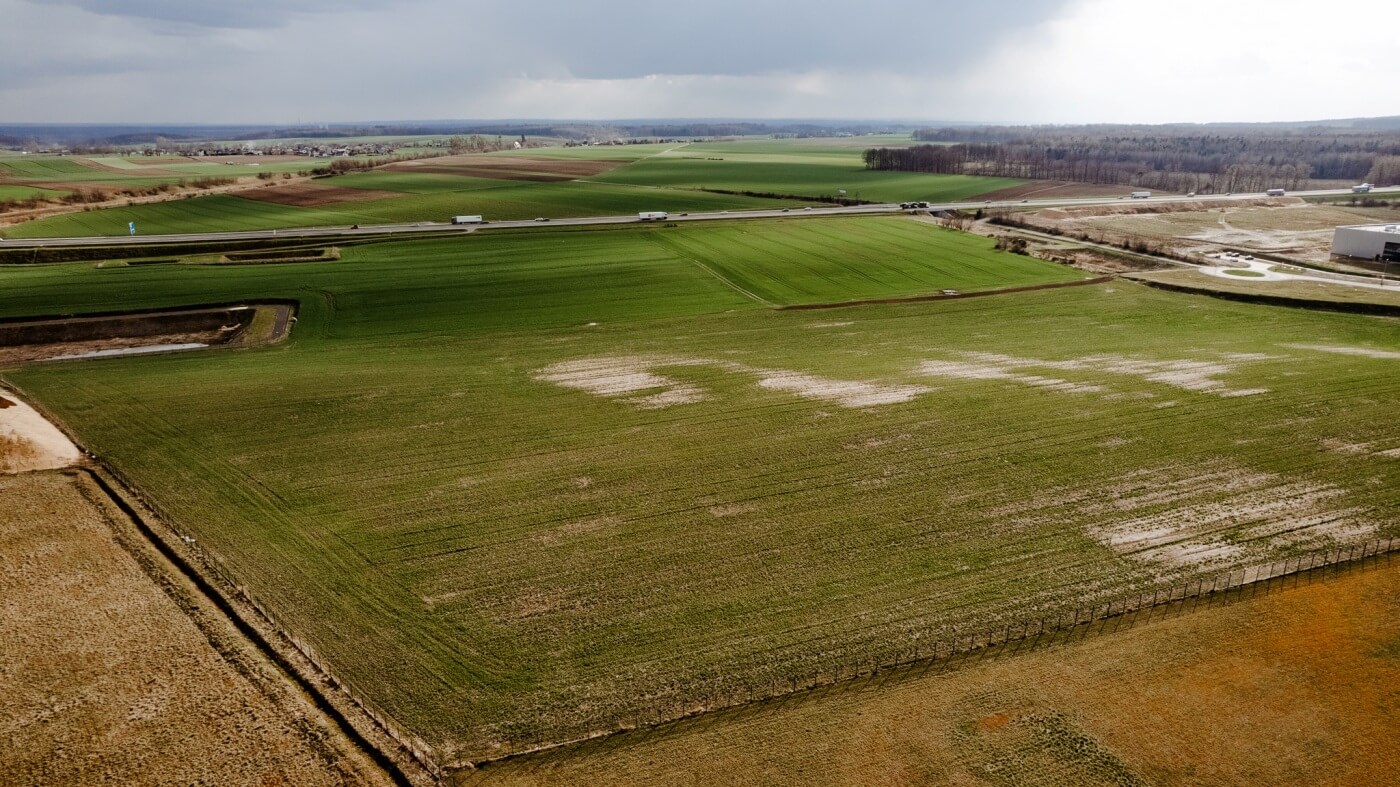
(825,121)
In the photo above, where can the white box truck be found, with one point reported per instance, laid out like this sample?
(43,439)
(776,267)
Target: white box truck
(466,219)
(1141,194)
(653,215)
(1275,192)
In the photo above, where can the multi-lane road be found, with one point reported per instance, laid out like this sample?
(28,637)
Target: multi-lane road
(428,227)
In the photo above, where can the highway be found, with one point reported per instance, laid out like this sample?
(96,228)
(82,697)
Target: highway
(439,228)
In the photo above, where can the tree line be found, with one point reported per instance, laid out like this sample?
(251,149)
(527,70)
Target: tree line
(1166,159)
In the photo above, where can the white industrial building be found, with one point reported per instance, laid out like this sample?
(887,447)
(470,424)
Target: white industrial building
(1368,242)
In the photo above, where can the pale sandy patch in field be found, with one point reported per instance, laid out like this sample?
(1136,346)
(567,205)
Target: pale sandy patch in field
(1343,447)
(678,394)
(847,393)
(28,441)
(1192,554)
(731,509)
(963,370)
(1193,525)
(611,376)
(570,529)
(1365,352)
(624,375)
(1190,375)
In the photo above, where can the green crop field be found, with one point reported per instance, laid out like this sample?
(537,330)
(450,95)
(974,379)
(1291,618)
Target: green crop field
(676,177)
(9,192)
(39,170)
(524,486)
(815,168)
(44,167)
(498,200)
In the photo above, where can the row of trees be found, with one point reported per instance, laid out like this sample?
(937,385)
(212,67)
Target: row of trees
(1164,159)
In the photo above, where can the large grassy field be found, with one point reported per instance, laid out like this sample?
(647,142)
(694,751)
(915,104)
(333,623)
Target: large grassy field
(524,486)
(800,167)
(9,192)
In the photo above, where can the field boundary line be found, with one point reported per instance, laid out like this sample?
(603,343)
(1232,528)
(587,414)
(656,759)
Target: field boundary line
(925,298)
(962,645)
(406,764)
(1345,307)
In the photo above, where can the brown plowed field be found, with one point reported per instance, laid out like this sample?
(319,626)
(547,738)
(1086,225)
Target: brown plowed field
(310,194)
(1297,685)
(109,677)
(508,167)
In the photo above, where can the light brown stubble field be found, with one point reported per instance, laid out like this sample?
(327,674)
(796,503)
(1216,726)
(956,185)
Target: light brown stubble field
(107,677)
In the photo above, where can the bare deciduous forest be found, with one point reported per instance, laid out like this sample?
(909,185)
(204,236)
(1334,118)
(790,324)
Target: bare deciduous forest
(1169,158)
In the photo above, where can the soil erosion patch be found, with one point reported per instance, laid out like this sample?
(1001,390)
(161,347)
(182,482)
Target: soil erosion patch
(312,195)
(508,167)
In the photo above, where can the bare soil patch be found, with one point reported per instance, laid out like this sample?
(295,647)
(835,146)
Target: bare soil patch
(109,677)
(1277,226)
(626,375)
(1186,374)
(1364,352)
(508,167)
(28,441)
(312,194)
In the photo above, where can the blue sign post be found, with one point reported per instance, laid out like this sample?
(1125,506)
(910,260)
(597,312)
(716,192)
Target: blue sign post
(131,228)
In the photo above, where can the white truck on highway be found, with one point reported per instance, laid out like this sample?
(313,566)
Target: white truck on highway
(1361,188)
(1275,192)
(653,215)
(466,220)
(1141,194)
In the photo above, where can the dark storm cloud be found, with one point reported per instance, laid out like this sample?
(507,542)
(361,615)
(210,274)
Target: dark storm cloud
(1011,60)
(618,40)
(732,37)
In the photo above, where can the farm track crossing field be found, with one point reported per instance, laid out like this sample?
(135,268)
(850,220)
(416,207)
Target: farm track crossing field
(524,487)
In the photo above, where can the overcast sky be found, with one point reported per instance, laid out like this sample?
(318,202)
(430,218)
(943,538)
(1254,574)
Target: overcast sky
(1022,61)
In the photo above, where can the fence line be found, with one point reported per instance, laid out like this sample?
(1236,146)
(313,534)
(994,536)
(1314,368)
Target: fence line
(678,708)
(944,648)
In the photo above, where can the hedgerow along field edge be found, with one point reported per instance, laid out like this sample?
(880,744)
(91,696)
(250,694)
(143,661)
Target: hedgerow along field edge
(520,488)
